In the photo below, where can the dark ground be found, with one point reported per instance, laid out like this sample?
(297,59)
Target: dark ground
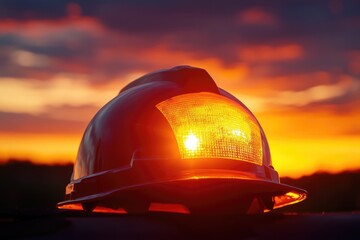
(25,186)
(30,192)
(156,225)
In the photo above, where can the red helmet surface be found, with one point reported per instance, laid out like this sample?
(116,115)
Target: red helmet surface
(173,136)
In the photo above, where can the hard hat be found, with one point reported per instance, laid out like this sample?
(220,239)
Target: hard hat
(173,136)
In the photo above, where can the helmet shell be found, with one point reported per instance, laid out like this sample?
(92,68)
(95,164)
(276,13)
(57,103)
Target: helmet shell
(129,145)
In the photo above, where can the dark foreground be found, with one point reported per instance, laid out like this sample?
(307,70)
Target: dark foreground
(78,225)
(24,185)
(30,192)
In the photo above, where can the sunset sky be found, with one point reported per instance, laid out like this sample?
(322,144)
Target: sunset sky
(295,64)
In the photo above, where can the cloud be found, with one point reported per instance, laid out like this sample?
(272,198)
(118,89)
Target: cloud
(82,113)
(260,82)
(335,92)
(317,93)
(39,49)
(28,59)
(354,62)
(256,16)
(266,53)
(64,119)
(106,44)
(106,40)
(32,96)
(40,32)
(81,46)
(37,124)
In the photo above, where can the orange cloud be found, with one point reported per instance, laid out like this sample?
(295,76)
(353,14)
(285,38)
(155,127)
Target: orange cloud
(317,93)
(255,16)
(259,86)
(267,53)
(38,29)
(262,94)
(225,76)
(29,59)
(312,122)
(34,96)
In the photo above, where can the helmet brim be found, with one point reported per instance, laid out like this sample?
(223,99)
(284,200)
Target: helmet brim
(196,183)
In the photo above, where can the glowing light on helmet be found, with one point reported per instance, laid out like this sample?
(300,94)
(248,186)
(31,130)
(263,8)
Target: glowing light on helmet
(191,143)
(208,125)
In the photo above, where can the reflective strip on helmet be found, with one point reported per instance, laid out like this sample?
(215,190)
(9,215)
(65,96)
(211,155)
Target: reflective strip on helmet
(208,125)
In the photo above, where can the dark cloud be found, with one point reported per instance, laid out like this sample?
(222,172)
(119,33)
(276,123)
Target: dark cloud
(28,123)
(202,29)
(38,9)
(82,113)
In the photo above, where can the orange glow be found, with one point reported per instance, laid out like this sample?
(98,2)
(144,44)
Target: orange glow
(75,206)
(288,199)
(298,157)
(305,142)
(322,142)
(168,207)
(154,207)
(98,209)
(43,148)
(207,125)
(302,141)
